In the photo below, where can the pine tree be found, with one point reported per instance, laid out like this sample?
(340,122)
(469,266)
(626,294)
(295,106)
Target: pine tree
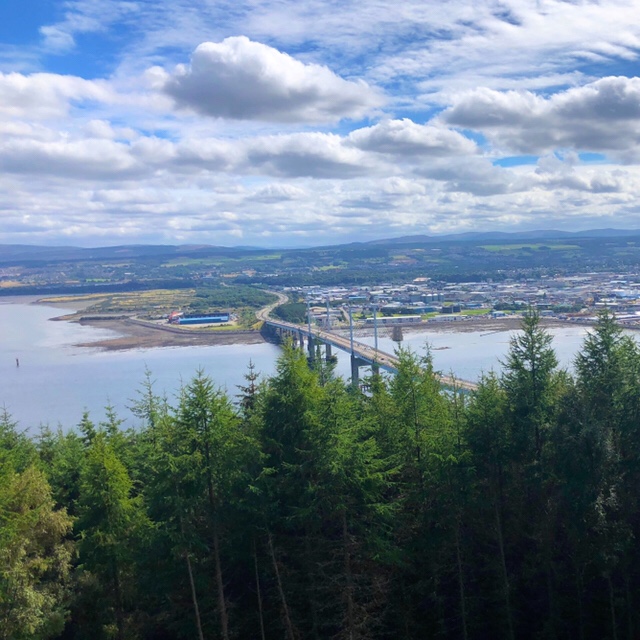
(488,436)
(528,378)
(35,558)
(220,451)
(111,524)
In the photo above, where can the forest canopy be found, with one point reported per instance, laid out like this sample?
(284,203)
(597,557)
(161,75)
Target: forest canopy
(304,508)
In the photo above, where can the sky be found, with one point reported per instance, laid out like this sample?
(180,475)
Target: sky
(287,123)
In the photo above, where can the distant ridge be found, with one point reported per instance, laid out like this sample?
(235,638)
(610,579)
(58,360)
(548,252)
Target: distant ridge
(21,253)
(481,236)
(24,253)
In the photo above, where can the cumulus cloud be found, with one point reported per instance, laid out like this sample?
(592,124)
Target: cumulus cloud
(97,152)
(477,176)
(406,138)
(600,116)
(279,192)
(566,172)
(46,95)
(244,80)
(306,154)
(93,160)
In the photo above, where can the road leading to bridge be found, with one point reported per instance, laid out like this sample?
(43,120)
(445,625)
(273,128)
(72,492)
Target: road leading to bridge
(362,351)
(265,312)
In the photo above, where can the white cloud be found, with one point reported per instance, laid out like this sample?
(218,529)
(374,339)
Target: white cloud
(47,95)
(82,17)
(244,80)
(114,157)
(84,160)
(603,116)
(313,154)
(406,138)
(56,38)
(279,192)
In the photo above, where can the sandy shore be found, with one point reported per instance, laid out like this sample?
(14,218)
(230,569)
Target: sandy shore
(473,325)
(485,324)
(134,334)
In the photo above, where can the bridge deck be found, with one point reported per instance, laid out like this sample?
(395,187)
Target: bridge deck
(384,360)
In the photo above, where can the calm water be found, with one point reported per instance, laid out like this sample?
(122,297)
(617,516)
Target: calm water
(468,355)
(57,381)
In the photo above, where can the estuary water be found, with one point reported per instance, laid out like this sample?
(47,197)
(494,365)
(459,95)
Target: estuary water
(57,381)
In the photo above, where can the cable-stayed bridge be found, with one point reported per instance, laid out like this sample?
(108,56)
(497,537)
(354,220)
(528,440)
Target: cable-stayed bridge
(362,355)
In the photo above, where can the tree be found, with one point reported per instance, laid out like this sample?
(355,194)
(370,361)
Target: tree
(111,523)
(528,378)
(488,436)
(210,429)
(35,558)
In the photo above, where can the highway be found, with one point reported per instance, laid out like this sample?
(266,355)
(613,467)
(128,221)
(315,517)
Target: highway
(360,350)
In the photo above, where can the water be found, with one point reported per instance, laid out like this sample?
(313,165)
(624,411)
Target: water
(57,381)
(469,354)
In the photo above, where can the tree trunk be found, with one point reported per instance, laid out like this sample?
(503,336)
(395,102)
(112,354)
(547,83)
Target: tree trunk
(285,609)
(222,605)
(505,576)
(349,578)
(629,607)
(194,596)
(313,605)
(463,604)
(259,591)
(118,597)
(552,601)
(580,604)
(612,607)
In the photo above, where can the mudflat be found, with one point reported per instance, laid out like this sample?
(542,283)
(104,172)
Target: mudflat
(134,334)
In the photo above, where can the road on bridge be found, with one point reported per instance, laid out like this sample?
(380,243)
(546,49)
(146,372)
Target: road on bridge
(360,350)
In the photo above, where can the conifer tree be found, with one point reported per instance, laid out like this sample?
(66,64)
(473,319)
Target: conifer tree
(220,451)
(488,436)
(35,558)
(528,378)
(111,524)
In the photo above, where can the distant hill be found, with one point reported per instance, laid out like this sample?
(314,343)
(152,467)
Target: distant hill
(20,253)
(506,236)
(11,254)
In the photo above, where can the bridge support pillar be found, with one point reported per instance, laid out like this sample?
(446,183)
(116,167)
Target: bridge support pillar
(356,363)
(327,352)
(301,341)
(375,369)
(311,348)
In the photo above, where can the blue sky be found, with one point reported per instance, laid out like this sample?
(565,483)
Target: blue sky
(280,123)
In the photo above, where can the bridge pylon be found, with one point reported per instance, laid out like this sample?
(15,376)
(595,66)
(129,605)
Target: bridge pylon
(356,363)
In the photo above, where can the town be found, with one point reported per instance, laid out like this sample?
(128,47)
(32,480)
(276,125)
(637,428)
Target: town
(576,298)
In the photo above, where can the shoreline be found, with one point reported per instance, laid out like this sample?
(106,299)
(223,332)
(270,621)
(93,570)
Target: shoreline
(131,334)
(136,334)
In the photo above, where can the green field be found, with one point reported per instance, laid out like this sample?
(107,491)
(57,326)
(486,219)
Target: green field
(475,312)
(529,246)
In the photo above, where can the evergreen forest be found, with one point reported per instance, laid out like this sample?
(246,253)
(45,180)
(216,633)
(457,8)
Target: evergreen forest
(301,508)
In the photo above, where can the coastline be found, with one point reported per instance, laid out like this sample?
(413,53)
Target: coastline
(135,334)
(130,333)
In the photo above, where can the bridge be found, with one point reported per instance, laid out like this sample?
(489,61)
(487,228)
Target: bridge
(362,355)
